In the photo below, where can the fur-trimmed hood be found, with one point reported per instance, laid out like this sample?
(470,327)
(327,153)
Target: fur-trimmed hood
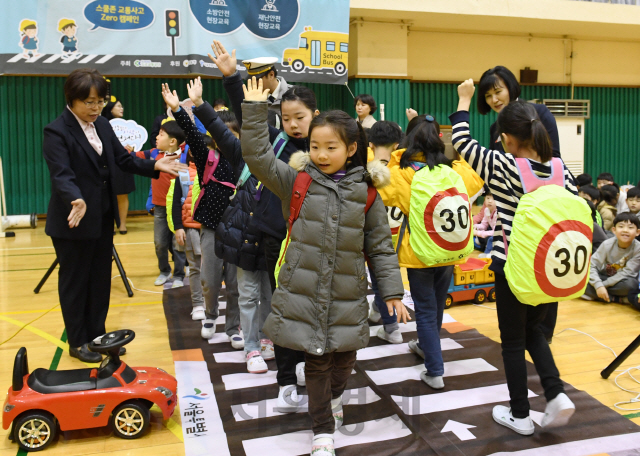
(380,175)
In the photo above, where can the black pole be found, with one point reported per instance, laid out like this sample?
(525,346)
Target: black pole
(46,276)
(123,274)
(173,45)
(621,358)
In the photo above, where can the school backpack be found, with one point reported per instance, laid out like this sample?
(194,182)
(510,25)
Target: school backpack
(549,252)
(212,163)
(300,188)
(439,221)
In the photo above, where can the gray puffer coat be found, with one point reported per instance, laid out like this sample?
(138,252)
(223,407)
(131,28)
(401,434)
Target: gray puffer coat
(320,305)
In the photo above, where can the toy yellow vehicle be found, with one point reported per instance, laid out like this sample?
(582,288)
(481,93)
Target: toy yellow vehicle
(319,50)
(472,281)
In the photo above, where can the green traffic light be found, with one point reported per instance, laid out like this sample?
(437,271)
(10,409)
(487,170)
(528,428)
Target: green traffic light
(172,31)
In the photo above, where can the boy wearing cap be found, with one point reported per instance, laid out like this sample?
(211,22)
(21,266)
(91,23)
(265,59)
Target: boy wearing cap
(69,41)
(264,68)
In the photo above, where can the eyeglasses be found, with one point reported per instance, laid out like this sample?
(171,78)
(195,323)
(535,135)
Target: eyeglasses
(93,104)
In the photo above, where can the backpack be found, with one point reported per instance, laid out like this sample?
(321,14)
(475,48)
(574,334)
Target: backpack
(549,253)
(439,220)
(212,163)
(278,146)
(300,188)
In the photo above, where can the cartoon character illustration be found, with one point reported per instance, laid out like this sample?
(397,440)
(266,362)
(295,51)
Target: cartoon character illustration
(28,39)
(69,41)
(270,6)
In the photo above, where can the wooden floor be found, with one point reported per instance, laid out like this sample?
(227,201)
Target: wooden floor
(25,258)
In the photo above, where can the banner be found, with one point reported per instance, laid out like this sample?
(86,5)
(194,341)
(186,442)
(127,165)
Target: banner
(310,38)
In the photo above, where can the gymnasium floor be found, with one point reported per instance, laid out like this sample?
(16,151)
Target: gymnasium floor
(25,258)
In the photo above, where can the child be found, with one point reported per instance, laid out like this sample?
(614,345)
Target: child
(384,138)
(633,200)
(28,38)
(604,179)
(69,41)
(212,201)
(220,105)
(616,263)
(599,234)
(168,141)
(320,305)
(485,228)
(365,106)
(428,284)
(522,135)
(593,195)
(583,179)
(607,206)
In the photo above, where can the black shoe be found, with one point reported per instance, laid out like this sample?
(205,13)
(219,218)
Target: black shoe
(123,232)
(84,354)
(122,351)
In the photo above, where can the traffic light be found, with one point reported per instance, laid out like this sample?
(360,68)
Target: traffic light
(172,23)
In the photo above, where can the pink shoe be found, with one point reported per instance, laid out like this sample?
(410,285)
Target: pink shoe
(255,363)
(266,349)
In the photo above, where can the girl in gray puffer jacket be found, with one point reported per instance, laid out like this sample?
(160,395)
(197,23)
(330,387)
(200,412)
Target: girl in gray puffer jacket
(320,305)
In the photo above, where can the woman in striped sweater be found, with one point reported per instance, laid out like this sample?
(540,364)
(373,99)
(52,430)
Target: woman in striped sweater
(523,136)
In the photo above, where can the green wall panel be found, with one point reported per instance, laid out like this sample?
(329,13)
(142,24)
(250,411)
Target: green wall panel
(27,104)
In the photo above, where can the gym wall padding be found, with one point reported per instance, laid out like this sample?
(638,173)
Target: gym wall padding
(27,104)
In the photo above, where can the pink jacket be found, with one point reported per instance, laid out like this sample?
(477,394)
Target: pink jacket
(477,219)
(488,224)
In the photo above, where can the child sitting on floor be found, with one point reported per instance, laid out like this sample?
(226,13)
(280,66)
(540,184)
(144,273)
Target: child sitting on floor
(485,228)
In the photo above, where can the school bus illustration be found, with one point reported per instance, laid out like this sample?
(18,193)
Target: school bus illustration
(319,50)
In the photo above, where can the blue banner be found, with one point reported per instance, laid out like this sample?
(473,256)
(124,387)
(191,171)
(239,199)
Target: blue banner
(310,38)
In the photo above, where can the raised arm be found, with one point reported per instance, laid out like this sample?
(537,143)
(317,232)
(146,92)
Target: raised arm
(232,81)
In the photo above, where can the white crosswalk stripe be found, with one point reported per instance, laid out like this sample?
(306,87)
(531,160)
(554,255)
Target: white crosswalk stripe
(53,58)
(453,400)
(382,351)
(89,58)
(451,369)
(106,58)
(15,58)
(35,58)
(296,443)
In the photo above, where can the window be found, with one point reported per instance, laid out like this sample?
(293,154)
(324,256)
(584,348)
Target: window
(331,45)
(303,43)
(344,47)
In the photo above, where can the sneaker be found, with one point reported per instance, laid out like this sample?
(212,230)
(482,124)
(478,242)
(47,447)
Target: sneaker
(414,346)
(434,382)
(197,313)
(301,380)
(338,413)
(288,400)
(484,255)
(162,278)
(558,411)
(266,349)
(255,363)
(394,337)
(208,328)
(502,415)
(374,317)
(177,283)
(587,297)
(322,445)
(237,341)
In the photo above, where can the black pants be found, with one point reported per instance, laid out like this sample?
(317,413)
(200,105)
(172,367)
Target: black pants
(286,359)
(519,330)
(548,325)
(84,283)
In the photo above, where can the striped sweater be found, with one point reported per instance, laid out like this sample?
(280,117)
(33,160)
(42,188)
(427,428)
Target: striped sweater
(500,173)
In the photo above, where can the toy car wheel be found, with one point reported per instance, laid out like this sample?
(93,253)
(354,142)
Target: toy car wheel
(34,431)
(449,302)
(297,66)
(492,295)
(130,420)
(340,68)
(481,296)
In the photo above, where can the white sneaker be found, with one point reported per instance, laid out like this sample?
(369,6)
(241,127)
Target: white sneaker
(208,328)
(177,283)
(338,413)
(255,363)
(436,382)
(301,380)
(502,415)
(374,317)
(484,255)
(288,400)
(558,411)
(394,337)
(237,341)
(162,278)
(266,349)
(197,313)
(322,445)
(586,297)
(414,346)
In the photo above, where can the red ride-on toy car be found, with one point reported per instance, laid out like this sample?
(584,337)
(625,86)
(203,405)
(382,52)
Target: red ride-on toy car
(116,394)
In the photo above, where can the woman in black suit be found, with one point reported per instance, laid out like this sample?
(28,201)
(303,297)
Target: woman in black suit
(82,152)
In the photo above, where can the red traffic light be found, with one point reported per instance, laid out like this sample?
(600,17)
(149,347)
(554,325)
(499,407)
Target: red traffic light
(172,14)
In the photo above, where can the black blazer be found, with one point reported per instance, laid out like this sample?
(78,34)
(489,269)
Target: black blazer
(73,168)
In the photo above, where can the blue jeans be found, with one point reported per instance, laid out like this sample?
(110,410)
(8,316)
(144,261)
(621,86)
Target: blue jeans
(255,305)
(378,304)
(429,288)
(489,247)
(165,241)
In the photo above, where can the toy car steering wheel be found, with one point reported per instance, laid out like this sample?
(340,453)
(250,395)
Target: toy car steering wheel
(111,341)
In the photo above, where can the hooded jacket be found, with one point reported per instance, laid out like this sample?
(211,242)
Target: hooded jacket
(320,305)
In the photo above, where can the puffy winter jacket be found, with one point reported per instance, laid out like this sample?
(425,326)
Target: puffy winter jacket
(320,304)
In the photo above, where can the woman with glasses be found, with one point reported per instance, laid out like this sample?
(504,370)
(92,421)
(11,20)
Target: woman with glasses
(82,152)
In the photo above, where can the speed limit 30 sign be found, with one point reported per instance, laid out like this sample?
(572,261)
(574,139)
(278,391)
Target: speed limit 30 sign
(447,219)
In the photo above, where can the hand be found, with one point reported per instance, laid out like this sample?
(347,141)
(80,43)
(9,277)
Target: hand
(253,91)
(194,89)
(129,148)
(181,237)
(169,165)
(401,310)
(226,63)
(411,113)
(466,89)
(77,212)
(171,98)
(603,294)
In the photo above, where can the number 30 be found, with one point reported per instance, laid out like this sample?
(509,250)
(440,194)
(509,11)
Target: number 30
(567,263)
